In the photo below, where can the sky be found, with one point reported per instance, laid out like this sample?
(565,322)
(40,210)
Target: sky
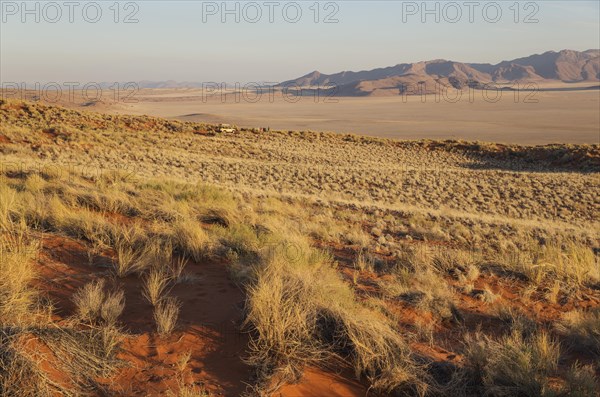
(272,41)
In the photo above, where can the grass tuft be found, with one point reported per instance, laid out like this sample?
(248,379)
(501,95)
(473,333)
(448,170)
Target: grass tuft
(166,313)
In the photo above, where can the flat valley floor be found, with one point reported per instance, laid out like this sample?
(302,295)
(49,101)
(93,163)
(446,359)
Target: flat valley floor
(528,118)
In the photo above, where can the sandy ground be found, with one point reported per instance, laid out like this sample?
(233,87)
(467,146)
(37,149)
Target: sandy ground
(557,113)
(533,118)
(208,333)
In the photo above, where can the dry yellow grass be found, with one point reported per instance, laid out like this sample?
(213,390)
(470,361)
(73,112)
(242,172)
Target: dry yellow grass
(155,286)
(191,239)
(336,242)
(582,329)
(166,312)
(302,312)
(513,365)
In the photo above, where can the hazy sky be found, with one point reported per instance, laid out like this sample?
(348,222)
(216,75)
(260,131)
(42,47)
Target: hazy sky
(188,41)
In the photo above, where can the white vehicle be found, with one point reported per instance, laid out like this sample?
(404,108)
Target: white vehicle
(225,128)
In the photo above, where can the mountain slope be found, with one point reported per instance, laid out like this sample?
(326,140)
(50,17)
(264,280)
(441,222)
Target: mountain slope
(567,66)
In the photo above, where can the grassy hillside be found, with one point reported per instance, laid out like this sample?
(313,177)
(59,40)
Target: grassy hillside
(142,256)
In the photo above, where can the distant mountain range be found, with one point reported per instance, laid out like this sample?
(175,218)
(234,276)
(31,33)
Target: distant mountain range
(565,66)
